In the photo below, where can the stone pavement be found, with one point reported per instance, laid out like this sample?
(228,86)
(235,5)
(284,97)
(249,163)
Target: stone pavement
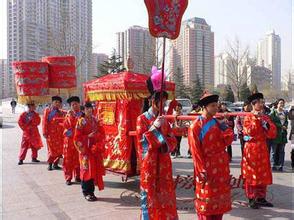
(31,192)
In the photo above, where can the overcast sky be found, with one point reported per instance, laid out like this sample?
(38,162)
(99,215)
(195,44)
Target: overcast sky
(250,20)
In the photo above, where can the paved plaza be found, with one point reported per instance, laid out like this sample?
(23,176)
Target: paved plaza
(31,192)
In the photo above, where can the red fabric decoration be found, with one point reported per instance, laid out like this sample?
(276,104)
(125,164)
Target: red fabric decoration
(62,72)
(31,78)
(165,17)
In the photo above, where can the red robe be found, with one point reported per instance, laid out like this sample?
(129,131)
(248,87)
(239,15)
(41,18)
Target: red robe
(28,122)
(256,168)
(91,157)
(71,163)
(207,144)
(158,198)
(53,128)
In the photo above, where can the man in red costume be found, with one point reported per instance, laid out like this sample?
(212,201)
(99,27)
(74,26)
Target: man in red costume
(28,122)
(156,141)
(208,139)
(71,164)
(53,132)
(89,140)
(256,168)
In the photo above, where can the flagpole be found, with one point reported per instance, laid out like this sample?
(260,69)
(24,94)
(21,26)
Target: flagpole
(162,77)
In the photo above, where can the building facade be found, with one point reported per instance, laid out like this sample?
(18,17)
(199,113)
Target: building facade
(38,28)
(192,53)
(4,80)
(96,61)
(137,44)
(269,55)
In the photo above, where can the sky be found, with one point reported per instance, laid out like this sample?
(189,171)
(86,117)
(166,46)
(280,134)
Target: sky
(249,20)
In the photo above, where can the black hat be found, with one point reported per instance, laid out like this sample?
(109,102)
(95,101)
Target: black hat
(255,96)
(88,105)
(73,99)
(207,98)
(56,98)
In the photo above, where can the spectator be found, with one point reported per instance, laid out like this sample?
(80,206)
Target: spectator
(280,119)
(179,129)
(230,121)
(13,104)
(291,137)
(239,123)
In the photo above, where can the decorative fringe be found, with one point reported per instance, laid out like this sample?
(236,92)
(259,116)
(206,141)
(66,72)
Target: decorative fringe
(63,92)
(102,95)
(36,99)
(115,95)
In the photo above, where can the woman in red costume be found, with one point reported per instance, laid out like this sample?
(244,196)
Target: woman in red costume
(208,139)
(156,141)
(256,168)
(53,132)
(28,122)
(71,164)
(89,140)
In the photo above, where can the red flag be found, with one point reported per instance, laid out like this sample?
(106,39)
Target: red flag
(165,17)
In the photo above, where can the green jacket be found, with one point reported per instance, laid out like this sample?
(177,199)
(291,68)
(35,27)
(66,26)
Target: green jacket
(281,137)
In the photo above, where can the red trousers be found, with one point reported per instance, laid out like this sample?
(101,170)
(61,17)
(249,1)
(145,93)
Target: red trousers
(210,217)
(23,153)
(255,192)
(70,172)
(54,159)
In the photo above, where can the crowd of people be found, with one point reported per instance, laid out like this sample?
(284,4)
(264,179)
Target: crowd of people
(78,136)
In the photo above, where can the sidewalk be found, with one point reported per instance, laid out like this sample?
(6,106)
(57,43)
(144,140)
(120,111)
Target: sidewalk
(31,192)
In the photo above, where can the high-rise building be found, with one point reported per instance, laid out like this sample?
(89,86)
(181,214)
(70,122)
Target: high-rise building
(269,55)
(97,60)
(221,77)
(192,53)
(3,79)
(260,76)
(38,28)
(137,44)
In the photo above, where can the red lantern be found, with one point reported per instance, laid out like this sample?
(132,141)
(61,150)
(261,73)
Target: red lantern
(165,17)
(31,78)
(62,72)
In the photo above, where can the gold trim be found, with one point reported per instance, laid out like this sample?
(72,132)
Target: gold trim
(117,164)
(36,99)
(63,92)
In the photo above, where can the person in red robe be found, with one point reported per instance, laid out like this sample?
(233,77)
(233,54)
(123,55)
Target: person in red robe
(28,122)
(208,139)
(71,163)
(256,167)
(155,142)
(53,132)
(89,139)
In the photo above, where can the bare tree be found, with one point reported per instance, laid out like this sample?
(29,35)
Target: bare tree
(62,41)
(237,65)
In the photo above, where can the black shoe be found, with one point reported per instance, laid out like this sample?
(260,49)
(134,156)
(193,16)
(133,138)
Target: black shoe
(68,182)
(280,169)
(35,160)
(263,202)
(253,204)
(50,167)
(20,162)
(94,198)
(89,198)
(274,169)
(78,180)
(56,167)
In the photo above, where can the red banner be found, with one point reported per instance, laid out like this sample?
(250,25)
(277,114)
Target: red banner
(165,17)
(62,72)
(31,78)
